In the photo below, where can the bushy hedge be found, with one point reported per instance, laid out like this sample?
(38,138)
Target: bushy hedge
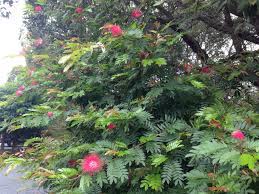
(121,112)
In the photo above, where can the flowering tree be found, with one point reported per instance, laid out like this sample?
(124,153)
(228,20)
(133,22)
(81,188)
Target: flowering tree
(131,103)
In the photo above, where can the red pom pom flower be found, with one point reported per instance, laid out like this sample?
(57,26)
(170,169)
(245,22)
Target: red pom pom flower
(238,135)
(21,88)
(206,70)
(79,10)
(136,13)
(92,163)
(116,30)
(38,42)
(18,93)
(38,8)
(50,114)
(111,126)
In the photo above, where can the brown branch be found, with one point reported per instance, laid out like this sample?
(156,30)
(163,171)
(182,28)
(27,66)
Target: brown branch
(211,22)
(237,42)
(239,56)
(233,9)
(187,38)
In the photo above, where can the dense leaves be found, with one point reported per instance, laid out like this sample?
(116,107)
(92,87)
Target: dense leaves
(126,107)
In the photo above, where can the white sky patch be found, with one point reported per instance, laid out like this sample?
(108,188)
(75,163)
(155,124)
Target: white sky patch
(10,45)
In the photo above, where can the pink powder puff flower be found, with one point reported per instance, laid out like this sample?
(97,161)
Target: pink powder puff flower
(79,10)
(238,135)
(206,70)
(111,126)
(21,88)
(136,13)
(116,30)
(92,163)
(38,8)
(38,42)
(50,114)
(18,93)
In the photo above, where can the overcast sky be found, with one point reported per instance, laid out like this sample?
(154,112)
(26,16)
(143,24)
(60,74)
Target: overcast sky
(10,45)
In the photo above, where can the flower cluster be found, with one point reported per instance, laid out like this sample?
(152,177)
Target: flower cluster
(116,30)
(38,8)
(20,90)
(92,163)
(50,114)
(136,13)
(238,135)
(111,126)
(206,70)
(79,10)
(38,42)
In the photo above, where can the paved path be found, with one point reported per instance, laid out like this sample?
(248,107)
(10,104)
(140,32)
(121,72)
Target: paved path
(12,184)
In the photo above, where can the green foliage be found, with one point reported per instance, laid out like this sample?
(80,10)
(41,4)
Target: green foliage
(32,141)
(250,160)
(173,171)
(152,181)
(158,159)
(173,145)
(197,181)
(157,126)
(101,179)
(117,171)
(85,182)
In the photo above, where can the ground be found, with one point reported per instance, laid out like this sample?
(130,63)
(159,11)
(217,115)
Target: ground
(13,184)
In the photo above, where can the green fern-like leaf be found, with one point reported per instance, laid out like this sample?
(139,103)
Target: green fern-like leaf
(116,170)
(197,181)
(77,149)
(142,115)
(173,145)
(154,93)
(123,59)
(136,155)
(152,181)
(153,147)
(32,141)
(103,146)
(158,159)
(101,178)
(224,157)
(206,148)
(85,182)
(253,145)
(173,170)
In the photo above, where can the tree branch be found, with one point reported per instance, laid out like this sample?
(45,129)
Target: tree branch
(237,42)
(211,22)
(188,39)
